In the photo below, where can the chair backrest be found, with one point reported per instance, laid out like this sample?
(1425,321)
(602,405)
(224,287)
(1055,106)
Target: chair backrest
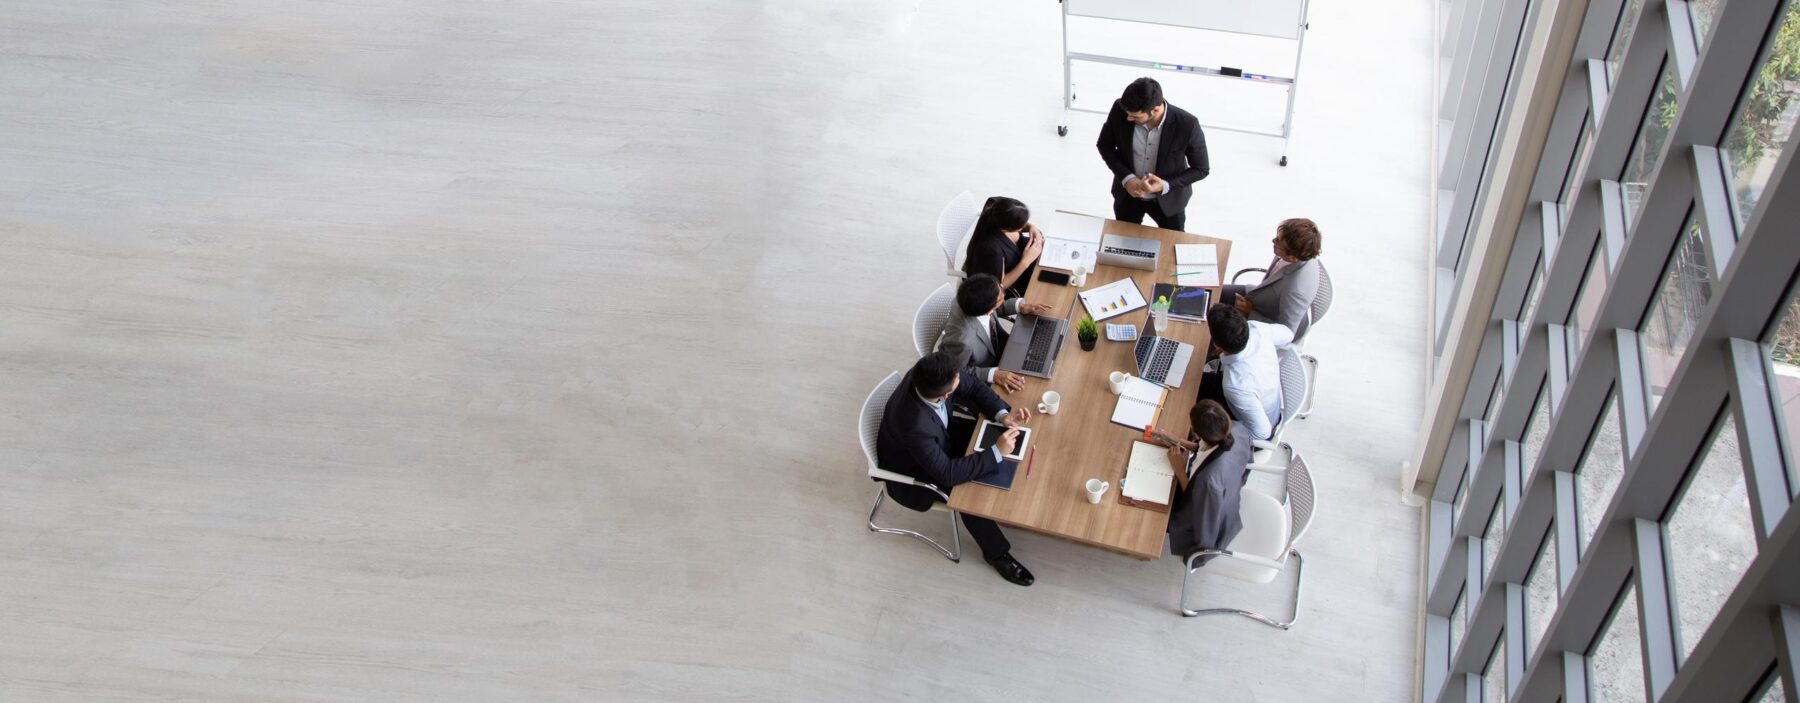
(955,223)
(1293,385)
(928,322)
(1302,496)
(1321,301)
(872,410)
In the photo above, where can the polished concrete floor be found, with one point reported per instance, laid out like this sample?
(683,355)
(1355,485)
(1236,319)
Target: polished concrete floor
(423,351)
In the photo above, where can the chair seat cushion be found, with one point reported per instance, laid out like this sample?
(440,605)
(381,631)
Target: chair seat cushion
(1265,534)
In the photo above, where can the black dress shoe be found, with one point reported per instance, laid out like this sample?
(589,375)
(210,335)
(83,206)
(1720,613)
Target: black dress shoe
(1011,570)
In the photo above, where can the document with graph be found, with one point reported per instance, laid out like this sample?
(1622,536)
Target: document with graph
(1113,299)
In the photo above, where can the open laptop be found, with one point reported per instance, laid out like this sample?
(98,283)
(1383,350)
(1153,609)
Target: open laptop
(1162,360)
(1034,344)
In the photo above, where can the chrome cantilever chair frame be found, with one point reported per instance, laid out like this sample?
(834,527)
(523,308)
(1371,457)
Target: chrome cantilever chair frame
(870,427)
(1300,503)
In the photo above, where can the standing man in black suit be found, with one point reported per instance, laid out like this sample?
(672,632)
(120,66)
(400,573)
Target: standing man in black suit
(1156,151)
(915,440)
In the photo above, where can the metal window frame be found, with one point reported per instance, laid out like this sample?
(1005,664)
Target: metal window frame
(1725,369)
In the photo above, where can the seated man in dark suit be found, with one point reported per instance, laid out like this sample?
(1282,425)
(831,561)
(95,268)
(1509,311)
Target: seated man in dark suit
(915,440)
(973,335)
(1204,513)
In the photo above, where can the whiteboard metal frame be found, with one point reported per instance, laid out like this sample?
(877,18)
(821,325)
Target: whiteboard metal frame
(1291,82)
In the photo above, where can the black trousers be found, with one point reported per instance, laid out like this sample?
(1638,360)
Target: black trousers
(986,532)
(1133,210)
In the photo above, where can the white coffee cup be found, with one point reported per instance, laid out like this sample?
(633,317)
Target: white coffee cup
(1078,276)
(1052,402)
(1095,489)
(1117,379)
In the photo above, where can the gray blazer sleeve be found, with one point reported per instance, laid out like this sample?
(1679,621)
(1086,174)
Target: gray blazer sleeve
(1288,298)
(956,341)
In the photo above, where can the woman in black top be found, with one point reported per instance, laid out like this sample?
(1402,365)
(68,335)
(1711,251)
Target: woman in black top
(1005,245)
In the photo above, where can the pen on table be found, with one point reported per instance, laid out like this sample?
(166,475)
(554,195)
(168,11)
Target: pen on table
(1030,457)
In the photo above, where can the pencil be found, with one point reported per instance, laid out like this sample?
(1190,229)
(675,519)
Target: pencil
(1030,457)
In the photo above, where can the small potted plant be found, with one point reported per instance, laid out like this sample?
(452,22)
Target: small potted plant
(1087,332)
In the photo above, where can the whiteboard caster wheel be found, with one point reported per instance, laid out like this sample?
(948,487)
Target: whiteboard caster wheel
(1284,160)
(1062,130)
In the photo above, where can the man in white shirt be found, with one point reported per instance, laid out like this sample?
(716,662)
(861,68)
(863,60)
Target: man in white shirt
(973,334)
(1248,380)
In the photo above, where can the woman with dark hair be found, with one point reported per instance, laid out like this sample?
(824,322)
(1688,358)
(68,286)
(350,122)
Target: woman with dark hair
(1005,245)
(1215,459)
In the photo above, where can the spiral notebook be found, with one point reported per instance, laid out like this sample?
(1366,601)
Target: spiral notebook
(1140,403)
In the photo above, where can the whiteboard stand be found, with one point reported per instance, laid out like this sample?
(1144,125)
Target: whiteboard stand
(1278,19)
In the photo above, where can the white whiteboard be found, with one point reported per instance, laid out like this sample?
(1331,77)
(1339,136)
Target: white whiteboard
(1270,18)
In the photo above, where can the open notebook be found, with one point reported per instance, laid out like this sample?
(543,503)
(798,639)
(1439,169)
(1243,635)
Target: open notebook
(1197,264)
(1149,477)
(1139,404)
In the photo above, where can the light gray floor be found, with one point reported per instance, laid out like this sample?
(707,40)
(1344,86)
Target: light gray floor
(419,351)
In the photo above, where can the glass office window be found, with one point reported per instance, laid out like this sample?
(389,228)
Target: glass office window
(1615,54)
(1765,118)
(1587,304)
(1616,664)
(1709,536)
(1703,12)
(1493,681)
(1540,594)
(1680,300)
(1775,693)
(1646,151)
(1577,159)
(1490,540)
(1600,471)
(1783,348)
(1533,292)
(1532,444)
(1458,620)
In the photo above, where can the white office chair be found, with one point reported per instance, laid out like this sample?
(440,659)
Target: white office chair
(928,322)
(954,225)
(1320,305)
(1321,300)
(1296,399)
(1261,550)
(871,426)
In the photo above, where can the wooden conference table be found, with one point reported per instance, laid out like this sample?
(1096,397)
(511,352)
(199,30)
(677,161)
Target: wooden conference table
(1080,441)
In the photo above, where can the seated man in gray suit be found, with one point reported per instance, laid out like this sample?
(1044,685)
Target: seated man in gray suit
(1286,292)
(973,334)
(1204,513)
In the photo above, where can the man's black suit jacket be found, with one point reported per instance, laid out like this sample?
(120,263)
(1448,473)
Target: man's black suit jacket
(912,441)
(1180,154)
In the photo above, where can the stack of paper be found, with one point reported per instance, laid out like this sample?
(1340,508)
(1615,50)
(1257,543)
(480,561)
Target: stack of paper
(1113,299)
(1075,228)
(1197,265)
(1148,477)
(1139,404)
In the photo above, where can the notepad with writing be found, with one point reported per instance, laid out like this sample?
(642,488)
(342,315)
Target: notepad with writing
(1149,477)
(1197,264)
(1139,404)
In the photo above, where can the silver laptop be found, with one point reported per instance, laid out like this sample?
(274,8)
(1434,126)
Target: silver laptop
(1130,252)
(1034,344)
(1163,360)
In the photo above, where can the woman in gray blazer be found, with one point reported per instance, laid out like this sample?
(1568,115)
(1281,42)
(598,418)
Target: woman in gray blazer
(1286,292)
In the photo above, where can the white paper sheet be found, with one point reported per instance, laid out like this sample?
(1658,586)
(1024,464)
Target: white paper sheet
(1075,228)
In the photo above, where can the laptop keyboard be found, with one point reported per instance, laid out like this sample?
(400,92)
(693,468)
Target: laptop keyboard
(1160,361)
(1037,356)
